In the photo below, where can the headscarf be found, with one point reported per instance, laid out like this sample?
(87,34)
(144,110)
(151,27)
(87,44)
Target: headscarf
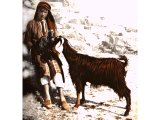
(49,19)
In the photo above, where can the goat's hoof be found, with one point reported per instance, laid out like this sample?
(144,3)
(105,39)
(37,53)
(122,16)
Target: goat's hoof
(126,113)
(82,101)
(75,108)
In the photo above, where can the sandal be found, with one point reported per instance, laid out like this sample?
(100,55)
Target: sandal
(47,104)
(65,105)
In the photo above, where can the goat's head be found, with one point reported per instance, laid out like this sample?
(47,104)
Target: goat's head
(58,43)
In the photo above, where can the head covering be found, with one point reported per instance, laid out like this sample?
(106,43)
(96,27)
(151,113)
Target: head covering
(49,19)
(44,5)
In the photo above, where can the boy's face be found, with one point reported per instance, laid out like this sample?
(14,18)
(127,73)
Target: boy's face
(42,13)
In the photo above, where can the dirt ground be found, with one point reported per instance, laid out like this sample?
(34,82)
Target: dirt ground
(101,103)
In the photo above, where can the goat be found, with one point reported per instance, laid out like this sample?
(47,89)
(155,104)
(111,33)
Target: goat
(98,71)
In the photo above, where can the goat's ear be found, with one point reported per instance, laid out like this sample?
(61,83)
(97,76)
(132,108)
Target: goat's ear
(62,40)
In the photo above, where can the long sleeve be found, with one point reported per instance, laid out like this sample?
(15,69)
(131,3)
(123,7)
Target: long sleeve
(28,36)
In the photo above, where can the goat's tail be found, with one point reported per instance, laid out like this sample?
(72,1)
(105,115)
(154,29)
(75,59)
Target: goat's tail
(124,58)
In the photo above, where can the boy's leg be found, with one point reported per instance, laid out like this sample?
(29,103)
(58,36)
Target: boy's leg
(52,85)
(47,99)
(59,84)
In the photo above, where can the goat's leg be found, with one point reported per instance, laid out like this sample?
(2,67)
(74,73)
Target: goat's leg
(128,101)
(123,91)
(78,90)
(83,94)
(78,100)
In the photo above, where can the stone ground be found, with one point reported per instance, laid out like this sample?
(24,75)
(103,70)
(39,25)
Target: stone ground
(102,103)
